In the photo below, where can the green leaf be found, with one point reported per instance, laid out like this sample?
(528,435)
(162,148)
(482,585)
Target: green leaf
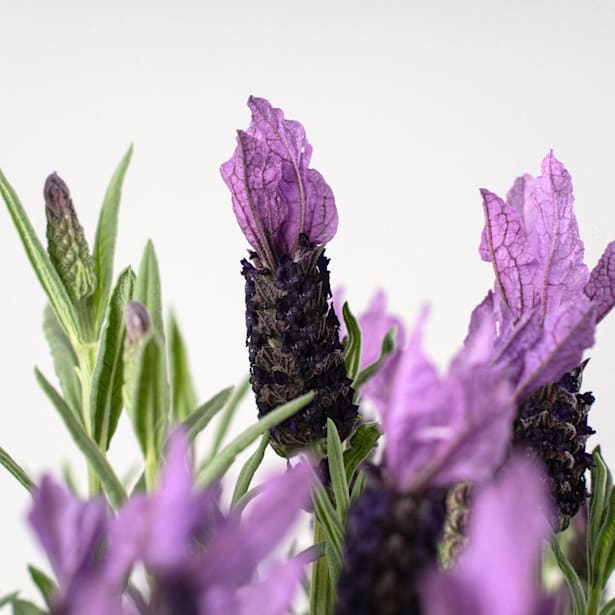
(216,467)
(601,484)
(24,607)
(64,360)
(16,470)
(388,346)
(107,379)
(333,531)
(361,444)
(147,289)
(200,418)
(352,352)
(603,558)
(322,598)
(182,389)
(8,599)
(45,585)
(572,579)
(45,271)
(249,469)
(335,457)
(357,487)
(150,392)
(104,243)
(608,608)
(225,419)
(86,444)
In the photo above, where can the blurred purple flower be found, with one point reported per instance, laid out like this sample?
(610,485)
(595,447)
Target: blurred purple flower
(546,302)
(199,560)
(276,197)
(496,573)
(441,430)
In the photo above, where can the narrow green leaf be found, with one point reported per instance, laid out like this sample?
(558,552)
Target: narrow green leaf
(249,469)
(322,599)
(604,555)
(24,607)
(150,413)
(572,579)
(217,466)
(8,599)
(357,487)
(87,446)
(361,444)
(107,379)
(16,470)
(608,608)
(45,271)
(198,420)
(64,360)
(388,346)
(335,457)
(45,585)
(147,289)
(601,483)
(352,352)
(104,243)
(182,389)
(333,531)
(225,419)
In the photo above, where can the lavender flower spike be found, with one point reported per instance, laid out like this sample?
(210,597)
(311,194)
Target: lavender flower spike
(495,575)
(287,213)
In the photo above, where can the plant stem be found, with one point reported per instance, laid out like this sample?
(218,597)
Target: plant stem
(593,601)
(87,355)
(322,600)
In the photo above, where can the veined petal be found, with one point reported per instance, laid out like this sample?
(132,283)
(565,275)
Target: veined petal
(601,285)
(321,217)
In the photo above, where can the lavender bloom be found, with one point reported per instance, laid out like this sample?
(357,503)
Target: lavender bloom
(495,575)
(287,213)
(199,560)
(545,306)
(439,430)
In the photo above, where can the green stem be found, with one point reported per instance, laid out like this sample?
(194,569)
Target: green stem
(322,600)
(151,470)
(593,600)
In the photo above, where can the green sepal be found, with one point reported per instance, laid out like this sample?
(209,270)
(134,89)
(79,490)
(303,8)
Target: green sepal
(572,579)
(337,471)
(45,585)
(362,442)
(104,242)
(96,458)
(41,263)
(182,388)
(198,419)
(217,466)
(65,360)
(352,352)
(16,470)
(246,474)
(387,347)
(108,375)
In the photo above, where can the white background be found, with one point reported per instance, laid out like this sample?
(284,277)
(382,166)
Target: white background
(410,107)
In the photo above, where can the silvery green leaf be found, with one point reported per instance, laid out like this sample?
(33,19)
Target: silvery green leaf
(214,468)
(362,442)
(248,470)
(107,379)
(104,243)
(45,271)
(182,389)
(198,420)
(15,469)
(96,458)
(44,584)
(352,352)
(64,360)
(335,458)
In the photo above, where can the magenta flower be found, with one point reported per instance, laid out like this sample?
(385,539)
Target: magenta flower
(277,198)
(546,301)
(496,573)
(199,560)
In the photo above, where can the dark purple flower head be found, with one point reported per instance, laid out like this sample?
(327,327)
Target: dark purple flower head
(276,197)
(496,572)
(546,302)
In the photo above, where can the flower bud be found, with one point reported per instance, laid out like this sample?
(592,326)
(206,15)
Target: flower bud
(67,246)
(138,322)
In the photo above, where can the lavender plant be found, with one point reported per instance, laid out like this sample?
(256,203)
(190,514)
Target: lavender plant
(456,497)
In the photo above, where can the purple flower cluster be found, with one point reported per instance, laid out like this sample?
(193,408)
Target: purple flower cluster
(199,561)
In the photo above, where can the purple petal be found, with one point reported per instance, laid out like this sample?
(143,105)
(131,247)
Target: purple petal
(481,337)
(496,572)
(601,286)
(567,331)
(560,249)
(514,262)
(321,217)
